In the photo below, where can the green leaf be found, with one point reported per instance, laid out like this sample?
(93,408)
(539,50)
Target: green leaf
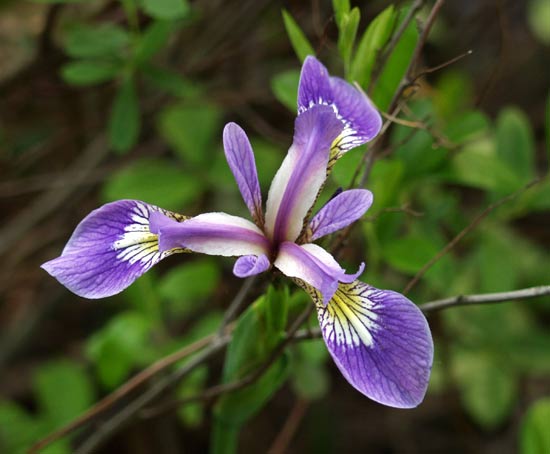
(547,128)
(341,8)
(408,254)
(488,388)
(124,118)
(478,165)
(346,38)
(285,88)
(276,313)
(192,414)
(63,391)
(88,72)
(375,37)
(18,430)
(98,40)
(298,39)
(515,144)
(453,94)
(156,181)
(121,345)
(236,408)
(538,17)
(310,381)
(395,67)
(187,285)
(467,126)
(152,40)
(165,9)
(191,130)
(171,82)
(535,436)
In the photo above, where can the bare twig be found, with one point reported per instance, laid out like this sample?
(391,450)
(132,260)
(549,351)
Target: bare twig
(290,427)
(486,298)
(224,388)
(124,390)
(464,232)
(105,430)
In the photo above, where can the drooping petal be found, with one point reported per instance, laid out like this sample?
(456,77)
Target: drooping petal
(380,341)
(313,265)
(249,265)
(110,248)
(341,211)
(302,173)
(240,158)
(211,233)
(361,120)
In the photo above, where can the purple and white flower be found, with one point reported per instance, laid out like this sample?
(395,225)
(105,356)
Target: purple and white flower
(379,339)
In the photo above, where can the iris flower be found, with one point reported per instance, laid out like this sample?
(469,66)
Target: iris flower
(378,339)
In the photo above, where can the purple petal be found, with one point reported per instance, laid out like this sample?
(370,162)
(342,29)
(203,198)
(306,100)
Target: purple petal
(341,211)
(314,86)
(249,265)
(302,173)
(380,341)
(211,233)
(361,120)
(314,266)
(240,158)
(110,249)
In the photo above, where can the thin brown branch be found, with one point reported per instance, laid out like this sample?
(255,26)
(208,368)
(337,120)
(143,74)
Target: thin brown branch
(486,298)
(124,390)
(290,427)
(441,66)
(475,222)
(224,388)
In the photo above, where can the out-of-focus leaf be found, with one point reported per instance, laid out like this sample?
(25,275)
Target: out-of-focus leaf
(453,94)
(98,40)
(190,130)
(375,37)
(340,8)
(298,39)
(538,17)
(156,181)
(170,82)
(342,174)
(467,126)
(535,436)
(124,118)
(192,413)
(488,388)
(515,144)
(346,37)
(165,9)
(285,88)
(18,430)
(185,286)
(385,179)
(310,381)
(121,345)
(408,254)
(478,165)
(88,72)
(395,67)
(152,40)
(276,314)
(63,391)
(497,275)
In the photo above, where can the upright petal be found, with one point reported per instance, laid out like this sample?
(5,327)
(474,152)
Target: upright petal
(240,158)
(361,120)
(110,248)
(211,233)
(380,341)
(314,266)
(341,211)
(302,173)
